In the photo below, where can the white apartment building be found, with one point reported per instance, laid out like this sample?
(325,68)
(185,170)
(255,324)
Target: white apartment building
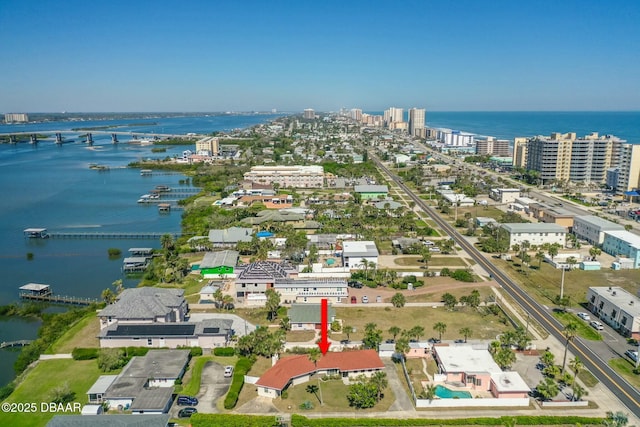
(16,118)
(287,176)
(356,114)
(209,146)
(455,138)
(416,121)
(309,113)
(504,195)
(312,290)
(355,253)
(617,308)
(535,233)
(592,228)
(393,115)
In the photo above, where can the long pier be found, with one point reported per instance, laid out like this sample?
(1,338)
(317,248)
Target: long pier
(58,299)
(93,235)
(19,343)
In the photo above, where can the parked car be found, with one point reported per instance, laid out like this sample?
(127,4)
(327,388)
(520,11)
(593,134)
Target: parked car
(187,401)
(633,355)
(365,299)
(228,371)
(355,284)
(186,412)
(354,300)
(584,316)
(596,325)
(345,342)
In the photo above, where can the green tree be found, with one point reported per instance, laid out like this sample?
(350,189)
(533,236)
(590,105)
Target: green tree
(273,304)
(465,332)
(440,328)
(505,358)
(372,336)
(569,332)
(426,256)
(578,391)
(394,331)
(314,355)
(402,346)
(108,296)
(313,389)
(110,359)
(430,392)
(547,358)
(449,301)
(62,394)
(540,257)
(595,252)
(617,419)
(416,332)
(362,394)
(398,300)
(380,382)
(547,389)
(117,287)
(553,250)
(347,330)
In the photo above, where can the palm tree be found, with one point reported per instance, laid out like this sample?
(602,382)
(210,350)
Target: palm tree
(108,296)
(416,332)
(430,392)
(314,355)
(402,346)
(379,381)
(553,250)
(227,302)
(465,332)
(347,330)
(441,328)
(547,389)
(569,332)
(313,389)
(494,346)
(365,267)
(578,391)
(547,358)
(540,257)
(394,331)
(594,252)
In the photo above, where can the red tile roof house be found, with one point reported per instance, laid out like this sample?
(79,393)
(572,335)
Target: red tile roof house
(298,369)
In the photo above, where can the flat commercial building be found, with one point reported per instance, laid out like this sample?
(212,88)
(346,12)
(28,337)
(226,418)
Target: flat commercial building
(535,233)
(287,176)
(592,228)
(16,118)
(504,195)
(617,308)
(622,243)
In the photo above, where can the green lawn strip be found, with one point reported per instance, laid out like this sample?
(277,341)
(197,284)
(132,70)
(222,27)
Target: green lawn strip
(300,420)
(334,396)
(584,330)
(193,387)
(625,368)
(78,335)
(587,378)
(39,383)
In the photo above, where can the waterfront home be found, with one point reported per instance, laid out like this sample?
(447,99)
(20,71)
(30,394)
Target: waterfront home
(145,305)
(230,236)
(219,264)
(145,385)
(208,333)
(299,369)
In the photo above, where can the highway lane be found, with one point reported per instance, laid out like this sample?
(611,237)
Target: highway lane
(625,392)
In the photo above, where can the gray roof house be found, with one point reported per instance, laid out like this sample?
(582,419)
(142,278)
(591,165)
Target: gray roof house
(117,420)
(208,333)
(148,305)
(145,385)
(230,236)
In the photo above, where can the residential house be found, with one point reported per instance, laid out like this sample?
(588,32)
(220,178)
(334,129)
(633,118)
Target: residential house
(307,317)
(355,253)
(592,228)
(369,192)
(230,236)
(145,305)
(617,308)
(145,385)
(475,369)
(209,333)
(254,279)
(293,370)
(311,290)
(535,233)
(218,264)
(99,388)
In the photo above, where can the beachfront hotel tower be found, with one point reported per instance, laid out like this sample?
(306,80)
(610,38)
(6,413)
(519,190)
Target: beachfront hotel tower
(417,122)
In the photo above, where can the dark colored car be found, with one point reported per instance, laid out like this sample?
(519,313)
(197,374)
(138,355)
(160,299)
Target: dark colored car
(187,401)
(186,412)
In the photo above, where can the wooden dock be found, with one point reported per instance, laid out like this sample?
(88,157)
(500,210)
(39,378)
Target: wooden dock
(58,299)
(19,343)
(94,235)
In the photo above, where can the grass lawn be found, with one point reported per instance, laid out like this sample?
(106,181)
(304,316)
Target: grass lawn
(447,262)
(38,384)
(457,292)
(193,376)
(83,334)
(334,396)
(416,374)
(484,327)
(257,316)
(300,336)
(625,368)
(249,391)
(584,330)
(544,284)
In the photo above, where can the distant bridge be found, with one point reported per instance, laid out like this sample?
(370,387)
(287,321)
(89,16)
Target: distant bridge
(105,132)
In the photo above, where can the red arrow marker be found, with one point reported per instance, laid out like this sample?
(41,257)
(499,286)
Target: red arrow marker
(324,319)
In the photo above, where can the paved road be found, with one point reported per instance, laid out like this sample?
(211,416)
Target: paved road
(627,394)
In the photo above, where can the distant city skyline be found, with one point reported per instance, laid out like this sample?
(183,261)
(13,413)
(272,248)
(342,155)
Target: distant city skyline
(201,56)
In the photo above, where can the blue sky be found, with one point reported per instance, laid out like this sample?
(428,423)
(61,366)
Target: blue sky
(497,55)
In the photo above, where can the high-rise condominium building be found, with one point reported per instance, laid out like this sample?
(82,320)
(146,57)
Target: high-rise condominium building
(393,115)
(209,146)
(564,157)
(308,113)
(356,114)
(416,121)
(16,118)
(492,146)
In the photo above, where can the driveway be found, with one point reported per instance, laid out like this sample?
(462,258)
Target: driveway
(213,387)
(403,401)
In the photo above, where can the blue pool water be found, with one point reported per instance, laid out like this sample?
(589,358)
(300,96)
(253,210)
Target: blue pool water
(445,393)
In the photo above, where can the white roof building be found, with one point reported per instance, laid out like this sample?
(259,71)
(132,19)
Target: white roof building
(617,308)
(535,233)
(354,252)
(592,228)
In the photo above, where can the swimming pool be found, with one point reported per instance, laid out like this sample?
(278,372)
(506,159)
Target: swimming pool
(445,393)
